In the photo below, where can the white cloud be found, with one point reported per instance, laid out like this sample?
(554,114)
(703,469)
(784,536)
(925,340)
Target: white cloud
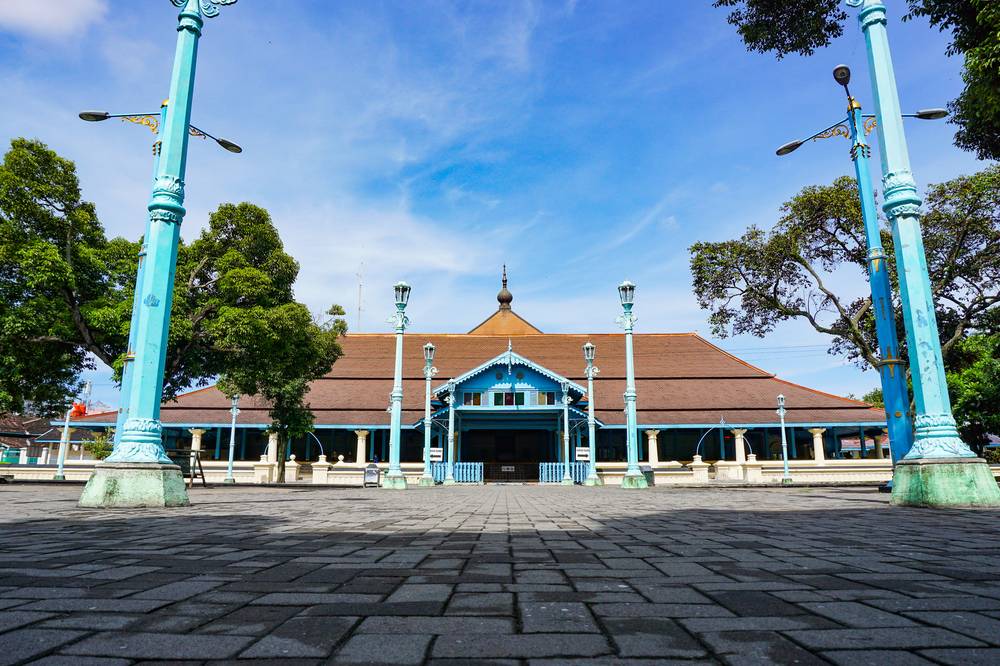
(40,18)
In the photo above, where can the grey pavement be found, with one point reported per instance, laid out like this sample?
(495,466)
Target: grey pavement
(497,575)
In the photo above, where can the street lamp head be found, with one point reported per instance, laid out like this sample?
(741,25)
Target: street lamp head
(94,116)
(842,75)
(589,352)
(626,292)
(781,400)
(236,401)
(931,114)
(402,292)
(229,145)
(429,352)
(789,147)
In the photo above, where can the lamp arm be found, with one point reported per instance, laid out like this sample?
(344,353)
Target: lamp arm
(846,119)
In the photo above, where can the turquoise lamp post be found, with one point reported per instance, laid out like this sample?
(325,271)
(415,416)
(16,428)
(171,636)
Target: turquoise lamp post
(427,479)
(634,477)
(394,479)
(589,353)
(940,469)
(567,478)
(449,477)
(138,473)
(234,411)
(786,477)
(893,377)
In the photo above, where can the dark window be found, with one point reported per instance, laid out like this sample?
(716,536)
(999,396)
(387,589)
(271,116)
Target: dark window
(472,398)
(546,397)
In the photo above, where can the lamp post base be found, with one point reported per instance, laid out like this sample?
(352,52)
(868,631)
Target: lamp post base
(395,482)
(229,480)
(786,480)
(426,481)
(593,481)
(59,477)
(634,481)
(567,482)
(134,485)
(944,482)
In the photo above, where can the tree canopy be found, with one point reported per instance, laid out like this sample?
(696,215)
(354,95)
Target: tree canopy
(66,290)
(785,27)
(753,283)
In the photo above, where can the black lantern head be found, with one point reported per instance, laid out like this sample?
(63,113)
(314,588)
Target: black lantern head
(402,292)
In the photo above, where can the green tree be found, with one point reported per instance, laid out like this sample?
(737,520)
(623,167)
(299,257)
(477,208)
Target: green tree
(290,351)
(100,445)
(753,283)
(874,398)
(66,290)
(974,387)
(784,27)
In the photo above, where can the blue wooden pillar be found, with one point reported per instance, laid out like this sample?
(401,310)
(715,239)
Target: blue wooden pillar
(218,443)
(793,450)
(243,443)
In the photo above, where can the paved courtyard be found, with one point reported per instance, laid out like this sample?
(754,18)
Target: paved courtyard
(498,575)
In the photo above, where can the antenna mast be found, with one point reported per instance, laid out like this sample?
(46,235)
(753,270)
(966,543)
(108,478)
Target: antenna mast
(361,277)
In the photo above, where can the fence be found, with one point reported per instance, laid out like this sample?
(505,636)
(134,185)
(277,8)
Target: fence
(464,472)
(552,472)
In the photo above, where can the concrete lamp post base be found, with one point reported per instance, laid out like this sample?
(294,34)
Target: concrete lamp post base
(229,480)
(634,481)
(593,482)
(395,482)
(59,477)
(567,482)
(426,482)
(944,482)
(134,485)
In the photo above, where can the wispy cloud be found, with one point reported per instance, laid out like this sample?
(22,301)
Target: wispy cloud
(50,20)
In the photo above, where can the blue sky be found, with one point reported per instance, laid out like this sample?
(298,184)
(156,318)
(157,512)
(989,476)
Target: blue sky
(579,142)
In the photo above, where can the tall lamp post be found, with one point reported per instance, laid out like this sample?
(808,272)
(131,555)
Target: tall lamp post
(567,478)
(940,469)
(234,410)
(394,478)
(589,353)
(449,476)
(138,472)
(894,391)
(64,441)
(634,477)
(429,371)
(786,477)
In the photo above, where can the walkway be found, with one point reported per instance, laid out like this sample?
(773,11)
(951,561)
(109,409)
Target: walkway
(498,574)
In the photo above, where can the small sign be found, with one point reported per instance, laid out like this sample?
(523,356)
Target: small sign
(507,468)
(437,454)
(372,473)
(583,454)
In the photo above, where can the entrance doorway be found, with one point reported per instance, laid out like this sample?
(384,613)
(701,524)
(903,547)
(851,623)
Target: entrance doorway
(509,455)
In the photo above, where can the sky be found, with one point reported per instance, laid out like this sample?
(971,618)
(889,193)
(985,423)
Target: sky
(579,142)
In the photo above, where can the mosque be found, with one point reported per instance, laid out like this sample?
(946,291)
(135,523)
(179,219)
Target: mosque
(506,380)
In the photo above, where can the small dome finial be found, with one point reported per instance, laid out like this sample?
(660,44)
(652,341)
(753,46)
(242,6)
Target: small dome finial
(504,296)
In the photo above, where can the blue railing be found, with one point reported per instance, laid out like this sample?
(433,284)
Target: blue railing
(552,472)
(464,472)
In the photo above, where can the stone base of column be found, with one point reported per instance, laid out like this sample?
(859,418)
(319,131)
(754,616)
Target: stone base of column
(58,477)
(634,481)
(944,482)
(394,482)
(426,481)
(567,482)
(134,485)
(595,481)
(450,482)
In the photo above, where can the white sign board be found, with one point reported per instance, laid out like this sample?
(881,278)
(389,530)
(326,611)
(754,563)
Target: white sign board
(583,454)
(437,454)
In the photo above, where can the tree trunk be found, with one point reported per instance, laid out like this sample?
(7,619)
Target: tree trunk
(282,454)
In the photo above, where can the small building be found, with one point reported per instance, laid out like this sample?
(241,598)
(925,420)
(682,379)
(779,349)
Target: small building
(508,380)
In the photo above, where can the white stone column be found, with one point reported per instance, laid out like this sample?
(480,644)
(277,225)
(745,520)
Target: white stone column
(753,472)
(196,434)
(819,454)
(272,447)
(22,458)
(361,453)
(43,459)
(740,445)
(879,453)
(654,453)
(699,469)
(321,471)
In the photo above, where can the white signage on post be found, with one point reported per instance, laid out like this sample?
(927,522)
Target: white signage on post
(583,454)
(437,454)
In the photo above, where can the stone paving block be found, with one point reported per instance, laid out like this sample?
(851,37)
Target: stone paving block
(250,620)
(520,646)
(138,645)
(777,623)
(481,603)
(660,610)
(96,605)
(853,614)
(907,638)
(301,637)
(986,629)
(553,617)
(753,602)
(436,625)
(390,649)
(178,591)
(22,644)
(936,604)
(965,657)
(408,592)
(66,660)
(757,647)
(310,599)
(12,619)
(880,657)
(652,637)
(364,610)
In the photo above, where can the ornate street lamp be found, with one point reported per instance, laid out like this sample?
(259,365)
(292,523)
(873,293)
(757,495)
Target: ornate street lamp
(394,478)
(138,472)
(234,410)
(64,441)
(589,354)
(634,477)
(449,477)
(940,470)
(786,477)
(854,127)
(429,371)
(567,479)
